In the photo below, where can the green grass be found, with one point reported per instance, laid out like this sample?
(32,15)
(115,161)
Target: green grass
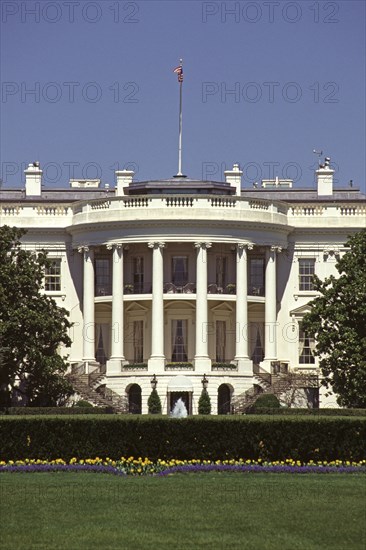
(73,511)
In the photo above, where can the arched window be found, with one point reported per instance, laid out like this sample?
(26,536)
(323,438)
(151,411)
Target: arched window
(224,399)
(134,399)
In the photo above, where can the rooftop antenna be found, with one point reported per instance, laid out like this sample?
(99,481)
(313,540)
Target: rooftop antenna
(319,153)
(179,71)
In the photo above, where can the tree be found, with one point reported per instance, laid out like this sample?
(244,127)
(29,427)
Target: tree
(32,327)
(154,403)
(337,321)
(204,403)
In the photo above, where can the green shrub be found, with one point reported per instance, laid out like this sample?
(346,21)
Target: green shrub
(154,403)
(82,403)
(208,438)
(224,366)
(204,403)
(180,365)
(135,366)
(267,401)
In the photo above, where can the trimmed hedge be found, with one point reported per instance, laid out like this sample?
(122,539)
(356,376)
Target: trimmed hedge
(36,411)
(209,438)
(307,412)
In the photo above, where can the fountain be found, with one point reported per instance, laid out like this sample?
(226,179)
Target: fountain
(179,409)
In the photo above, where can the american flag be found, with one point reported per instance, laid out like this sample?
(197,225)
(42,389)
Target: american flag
(179,71)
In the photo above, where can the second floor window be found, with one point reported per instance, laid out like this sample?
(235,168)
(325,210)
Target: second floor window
(138,274)
(306,272)
(220,341)
(138,341)
(256,276)
(306,349)
(179,340)
(221,271)
(180,270)
(53,276)
(102,277)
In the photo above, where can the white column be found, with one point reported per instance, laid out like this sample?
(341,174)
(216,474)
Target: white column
(88,306)
(117,358)
(157,358)
(270,331)
(241,353)
(201,359)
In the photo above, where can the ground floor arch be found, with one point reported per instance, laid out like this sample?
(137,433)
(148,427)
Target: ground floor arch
(134,399)
(224,399)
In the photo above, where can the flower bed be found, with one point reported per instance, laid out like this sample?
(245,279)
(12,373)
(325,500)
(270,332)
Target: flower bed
(144,466)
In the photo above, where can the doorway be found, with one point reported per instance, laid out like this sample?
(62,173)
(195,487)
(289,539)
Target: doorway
(185,396)
(224,399)
(134,399)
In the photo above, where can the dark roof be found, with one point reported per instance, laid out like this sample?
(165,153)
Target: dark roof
(56,195)
(184,186)
(304,195)
(180,185)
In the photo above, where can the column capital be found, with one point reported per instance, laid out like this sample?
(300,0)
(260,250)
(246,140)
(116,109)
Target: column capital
(203,245)
(156,244)
(275,248)
(82,249)
(248,246)
(112,246)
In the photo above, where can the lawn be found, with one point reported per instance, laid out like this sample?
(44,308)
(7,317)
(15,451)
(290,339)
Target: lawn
(82,511)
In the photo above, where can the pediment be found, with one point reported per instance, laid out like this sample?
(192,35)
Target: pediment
(136,306)
(300,311)
(224,306)
(179,305)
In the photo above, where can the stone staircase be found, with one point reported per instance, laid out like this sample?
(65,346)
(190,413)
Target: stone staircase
(91,387)
(266,383)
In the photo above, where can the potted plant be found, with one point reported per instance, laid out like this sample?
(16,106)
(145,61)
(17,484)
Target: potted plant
(128,288)
(231,288)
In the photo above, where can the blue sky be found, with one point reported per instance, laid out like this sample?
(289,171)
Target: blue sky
(89,86)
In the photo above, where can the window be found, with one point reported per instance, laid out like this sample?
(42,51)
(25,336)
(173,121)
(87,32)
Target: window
(102,340)
(53,276)
(221,272)
(306,348)
(220,341)
(179,340)
(258,352)
(138,341)
(256,276)
(180,270)
(138,274)
(306,272)
(102,277)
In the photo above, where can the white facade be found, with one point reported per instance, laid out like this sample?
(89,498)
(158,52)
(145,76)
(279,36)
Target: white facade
(182,278)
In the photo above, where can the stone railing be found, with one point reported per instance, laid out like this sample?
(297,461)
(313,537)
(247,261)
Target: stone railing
(327,210)
(307,210)
(10,210)
(51,210)
(352,210)
(100,205)
(178,201)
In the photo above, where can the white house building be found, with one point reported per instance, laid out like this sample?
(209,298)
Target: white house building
(182,283)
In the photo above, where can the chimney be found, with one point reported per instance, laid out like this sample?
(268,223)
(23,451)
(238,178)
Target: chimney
(324,178)
(233,177)
(33,180)
(124,178)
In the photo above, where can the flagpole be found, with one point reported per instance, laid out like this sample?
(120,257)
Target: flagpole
(179,71)
(180,129)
